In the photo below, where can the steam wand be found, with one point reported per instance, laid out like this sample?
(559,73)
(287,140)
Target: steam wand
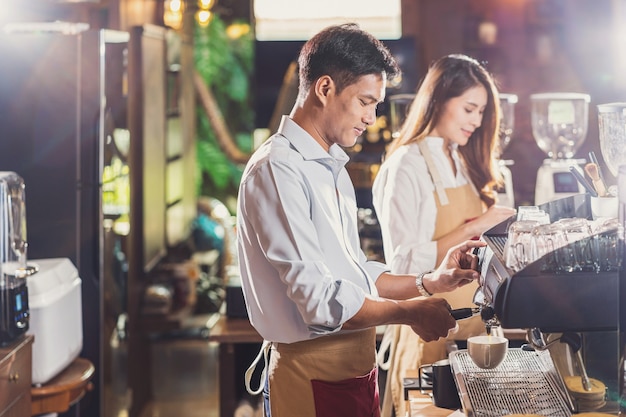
(535,338)
(574,342)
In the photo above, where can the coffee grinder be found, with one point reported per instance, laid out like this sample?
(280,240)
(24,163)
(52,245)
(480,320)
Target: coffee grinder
(506,196)
(559,125)
(14,311)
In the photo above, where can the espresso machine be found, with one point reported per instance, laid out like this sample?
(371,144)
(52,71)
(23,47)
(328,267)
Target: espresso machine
(570,316)
(14,310)
(568,300)
(559,125)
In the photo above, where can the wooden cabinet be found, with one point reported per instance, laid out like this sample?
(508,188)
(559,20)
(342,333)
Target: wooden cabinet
(16,377)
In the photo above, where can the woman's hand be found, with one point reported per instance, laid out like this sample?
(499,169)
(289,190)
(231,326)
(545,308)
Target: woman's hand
(494,215)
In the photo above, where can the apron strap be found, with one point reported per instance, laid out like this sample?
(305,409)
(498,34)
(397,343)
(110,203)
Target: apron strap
(384,348)
(265,347)
(434,173)
(469,179)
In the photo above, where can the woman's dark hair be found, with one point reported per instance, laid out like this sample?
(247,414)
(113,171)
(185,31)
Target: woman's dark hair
(345,53)
(450,77)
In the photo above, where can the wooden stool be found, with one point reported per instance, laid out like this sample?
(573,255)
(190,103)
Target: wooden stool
(64,390)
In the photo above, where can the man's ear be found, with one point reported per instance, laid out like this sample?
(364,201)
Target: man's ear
(324,87)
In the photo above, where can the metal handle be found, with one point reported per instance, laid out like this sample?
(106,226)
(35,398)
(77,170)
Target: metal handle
(463,313)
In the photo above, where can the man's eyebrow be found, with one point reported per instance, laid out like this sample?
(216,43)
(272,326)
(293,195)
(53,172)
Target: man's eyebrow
(371,98)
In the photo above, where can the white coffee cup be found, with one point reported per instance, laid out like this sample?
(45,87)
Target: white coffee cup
(604,207)
(487,352)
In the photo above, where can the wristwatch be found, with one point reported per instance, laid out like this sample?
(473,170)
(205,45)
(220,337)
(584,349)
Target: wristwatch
(420,286)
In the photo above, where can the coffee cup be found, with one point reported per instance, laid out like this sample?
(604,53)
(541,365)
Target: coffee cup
(445,393)
(604,207)
(487,352)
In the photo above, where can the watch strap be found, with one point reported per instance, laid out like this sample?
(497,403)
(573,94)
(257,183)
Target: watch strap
(420,285)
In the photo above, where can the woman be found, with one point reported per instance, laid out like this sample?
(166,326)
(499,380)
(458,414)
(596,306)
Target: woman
(436,189)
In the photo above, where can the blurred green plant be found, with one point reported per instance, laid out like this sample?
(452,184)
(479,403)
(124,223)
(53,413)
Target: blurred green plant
(224,56)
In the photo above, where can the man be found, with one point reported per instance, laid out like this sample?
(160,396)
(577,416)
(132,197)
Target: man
(309,289)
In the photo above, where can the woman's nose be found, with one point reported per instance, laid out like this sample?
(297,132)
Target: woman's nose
(477,120)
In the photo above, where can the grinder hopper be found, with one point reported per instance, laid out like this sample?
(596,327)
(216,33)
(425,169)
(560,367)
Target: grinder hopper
(14,311)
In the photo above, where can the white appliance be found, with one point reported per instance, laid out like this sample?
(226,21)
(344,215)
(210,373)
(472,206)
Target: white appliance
(54,297)
(506,195)
(559,125)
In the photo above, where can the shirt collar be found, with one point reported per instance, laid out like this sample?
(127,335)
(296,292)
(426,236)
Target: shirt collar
(308,147)
(438,141)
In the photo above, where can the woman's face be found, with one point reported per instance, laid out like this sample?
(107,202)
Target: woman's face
(461,116)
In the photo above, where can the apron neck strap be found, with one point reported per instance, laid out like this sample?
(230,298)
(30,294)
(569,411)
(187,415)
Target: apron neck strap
(434,172)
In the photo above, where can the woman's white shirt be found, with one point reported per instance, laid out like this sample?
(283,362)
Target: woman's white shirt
(404,200)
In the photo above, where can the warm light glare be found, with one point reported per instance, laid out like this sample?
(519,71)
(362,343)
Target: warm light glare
(206,4)
(237,30)
(173,14)
(203,17)
(176,5)
(173,20)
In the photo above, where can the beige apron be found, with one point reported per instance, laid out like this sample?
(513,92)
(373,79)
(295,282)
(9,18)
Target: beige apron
(408,351)
(299,375)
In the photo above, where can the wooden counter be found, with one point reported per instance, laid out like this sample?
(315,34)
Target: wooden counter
(421,405)
(229,332)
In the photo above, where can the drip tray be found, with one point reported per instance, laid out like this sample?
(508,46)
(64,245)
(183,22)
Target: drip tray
(526,382)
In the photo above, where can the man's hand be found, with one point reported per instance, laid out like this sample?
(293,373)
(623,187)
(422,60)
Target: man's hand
(431,318)
(458,268)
